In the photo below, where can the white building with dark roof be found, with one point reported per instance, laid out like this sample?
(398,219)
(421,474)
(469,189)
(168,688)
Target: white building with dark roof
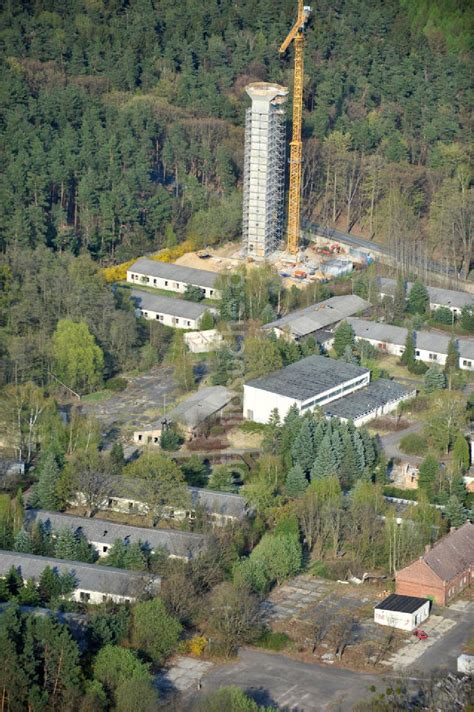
(174,278)
(402,612)
(94,583)
(177,313)
(340,389)
(318,317)
(439,297)
(127,495)
(430,346)
(102,534)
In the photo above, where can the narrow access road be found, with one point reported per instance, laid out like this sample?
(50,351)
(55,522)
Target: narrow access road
(290,685)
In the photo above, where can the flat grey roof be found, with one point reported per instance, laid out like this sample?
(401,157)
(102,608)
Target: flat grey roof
(426,340)
(178,273)
(402,604)
(201,405)
(366,400)
(318,316)
(308,377)
(438,295)
(177,543)
(168,305)
(365,329)
(89,577)
(213,502)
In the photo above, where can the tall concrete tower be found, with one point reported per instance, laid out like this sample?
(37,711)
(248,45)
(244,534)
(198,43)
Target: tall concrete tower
(264,169)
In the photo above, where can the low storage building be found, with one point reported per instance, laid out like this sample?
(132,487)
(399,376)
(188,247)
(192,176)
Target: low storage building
(318,317)
(94,583)
(439,297)
(174,278)
(177,313)
(340,389)
(446,569)
(375,400)
(430,346)
(128,496)
(403,612)
(201,410)
(102,534)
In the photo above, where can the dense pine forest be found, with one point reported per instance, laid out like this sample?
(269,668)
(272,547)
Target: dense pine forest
(122,122)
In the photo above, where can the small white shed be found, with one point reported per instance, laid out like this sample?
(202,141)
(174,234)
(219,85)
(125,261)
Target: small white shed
(404,612)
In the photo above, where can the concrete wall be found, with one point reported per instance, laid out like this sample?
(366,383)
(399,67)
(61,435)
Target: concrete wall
(82,595)
(147,437)
(384,346)
(382,410)
(402,620)
(170,285)
(128,505)
(170,320)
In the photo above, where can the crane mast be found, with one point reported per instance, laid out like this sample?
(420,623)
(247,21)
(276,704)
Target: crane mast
(296,35)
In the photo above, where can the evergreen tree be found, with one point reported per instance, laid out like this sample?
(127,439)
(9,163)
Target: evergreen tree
(14,581)
(325,463)
(272,437)
(46,488)
(348,471)
(455,512)
(343,336)
(117,458)
(370,450)
(302,448)
(428,475)
(207,321)
(319,432)
(296,482)
(434,379)
(337,446)
(65,546)
(224,366)
(349,356)
(267,314)
(418,299)
(358,452)
(23,542)
(451,367)
(29,595)
(408,356)
(399,299)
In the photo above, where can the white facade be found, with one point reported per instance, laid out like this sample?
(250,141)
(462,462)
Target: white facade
(177,322)
(402,619)
(259,403)
(171,277)
(384,409)
(264,169)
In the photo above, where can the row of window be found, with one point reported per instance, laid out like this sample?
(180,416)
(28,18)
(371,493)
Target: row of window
(177,285)
(432,357)
(86,597)
(160,317)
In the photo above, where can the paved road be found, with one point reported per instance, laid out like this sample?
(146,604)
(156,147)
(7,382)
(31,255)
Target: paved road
(289,685)
(391,442)
(444,652)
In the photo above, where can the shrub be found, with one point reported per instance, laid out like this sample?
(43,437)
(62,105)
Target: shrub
(400,493)
(413,444)
(196,645)
(116,384)
(270,640)
(443,315)
(217,429)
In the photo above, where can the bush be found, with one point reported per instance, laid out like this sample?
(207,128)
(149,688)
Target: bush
(400,493)
(413,444)
(418,368)
(273,641)
(116,384)
(442,315)
(250,426)
(196,645)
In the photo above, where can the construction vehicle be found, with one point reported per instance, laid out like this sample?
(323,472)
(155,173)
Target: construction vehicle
(296,35)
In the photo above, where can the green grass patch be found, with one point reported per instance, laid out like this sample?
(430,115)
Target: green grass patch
(413,444)
(250,426)
(269,640)
(97,397)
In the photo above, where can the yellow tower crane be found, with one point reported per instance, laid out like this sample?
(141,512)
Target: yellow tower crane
(296,36)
